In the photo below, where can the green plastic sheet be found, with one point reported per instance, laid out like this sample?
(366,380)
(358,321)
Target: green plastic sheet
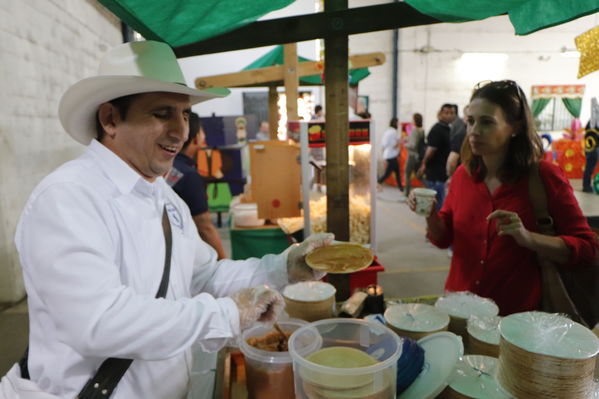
(276,57)
(181,22)
(527,16)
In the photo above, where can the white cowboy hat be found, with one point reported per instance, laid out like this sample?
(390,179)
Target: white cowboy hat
(131,68)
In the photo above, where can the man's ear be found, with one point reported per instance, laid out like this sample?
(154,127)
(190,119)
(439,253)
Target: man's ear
(108,117)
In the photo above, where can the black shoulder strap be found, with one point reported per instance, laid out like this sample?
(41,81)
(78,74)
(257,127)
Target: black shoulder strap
(112,369)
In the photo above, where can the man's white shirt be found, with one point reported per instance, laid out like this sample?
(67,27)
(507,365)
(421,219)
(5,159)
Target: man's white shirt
(92,248)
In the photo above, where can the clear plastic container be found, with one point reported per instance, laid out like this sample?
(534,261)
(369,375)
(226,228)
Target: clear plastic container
(269,374)
(347,341)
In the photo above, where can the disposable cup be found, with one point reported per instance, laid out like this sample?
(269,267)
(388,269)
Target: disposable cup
(424,200)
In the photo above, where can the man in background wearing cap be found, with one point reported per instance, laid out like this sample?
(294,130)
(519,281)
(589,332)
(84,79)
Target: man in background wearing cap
(93,242)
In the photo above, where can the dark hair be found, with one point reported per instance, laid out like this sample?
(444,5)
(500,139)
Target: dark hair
(447,105)
(317,108)
(194,128)
(393,122)
(122,105)
(417,119)
(525,149)
(455,108)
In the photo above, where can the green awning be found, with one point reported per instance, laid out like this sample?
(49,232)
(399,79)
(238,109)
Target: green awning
(527,16)
(276,57)
(180,22)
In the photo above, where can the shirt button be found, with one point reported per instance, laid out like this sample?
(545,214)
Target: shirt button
(477,282)
(482,262)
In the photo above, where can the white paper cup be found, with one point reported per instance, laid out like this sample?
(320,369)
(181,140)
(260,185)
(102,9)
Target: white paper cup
(424,200)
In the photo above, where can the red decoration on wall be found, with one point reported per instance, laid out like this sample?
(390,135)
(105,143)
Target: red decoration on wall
(276,203)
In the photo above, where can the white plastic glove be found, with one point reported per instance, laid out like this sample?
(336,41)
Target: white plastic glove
(297,269)
(257,304)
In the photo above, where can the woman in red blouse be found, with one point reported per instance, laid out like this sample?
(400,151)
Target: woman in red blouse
(487,216)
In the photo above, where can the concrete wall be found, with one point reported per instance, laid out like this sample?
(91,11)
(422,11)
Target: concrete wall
(45,46)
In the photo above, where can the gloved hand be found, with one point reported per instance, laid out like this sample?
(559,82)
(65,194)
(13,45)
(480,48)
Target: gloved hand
(257,304)
(297,269)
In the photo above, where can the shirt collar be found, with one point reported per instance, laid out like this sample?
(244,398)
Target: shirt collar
(120,173)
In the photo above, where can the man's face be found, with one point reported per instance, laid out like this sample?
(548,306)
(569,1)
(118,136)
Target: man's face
(152,134)
(447,114)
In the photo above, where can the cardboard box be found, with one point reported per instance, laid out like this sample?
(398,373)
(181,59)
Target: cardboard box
(276,178)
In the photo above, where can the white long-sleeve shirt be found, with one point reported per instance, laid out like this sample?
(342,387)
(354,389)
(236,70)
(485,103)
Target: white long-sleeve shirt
(92,250)
(389,143)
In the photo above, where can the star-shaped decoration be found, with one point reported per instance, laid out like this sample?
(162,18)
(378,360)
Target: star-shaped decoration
(588,46)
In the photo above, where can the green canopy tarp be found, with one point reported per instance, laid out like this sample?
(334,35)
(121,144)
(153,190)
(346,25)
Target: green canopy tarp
(182,22)
(527,16)
(276,57)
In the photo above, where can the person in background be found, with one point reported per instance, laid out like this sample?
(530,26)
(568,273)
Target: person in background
(456,138)
(263,133)
(93,239)
(415,143)
(318,113)
(591,147)
(488,215)
(187,182)
(433,166)
(390,146)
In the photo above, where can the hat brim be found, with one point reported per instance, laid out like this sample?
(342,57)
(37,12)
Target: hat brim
(79,104)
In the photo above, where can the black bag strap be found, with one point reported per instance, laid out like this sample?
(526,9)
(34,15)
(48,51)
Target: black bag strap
(112,369)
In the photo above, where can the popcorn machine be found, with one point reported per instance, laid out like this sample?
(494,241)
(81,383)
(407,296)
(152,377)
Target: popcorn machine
(362,179)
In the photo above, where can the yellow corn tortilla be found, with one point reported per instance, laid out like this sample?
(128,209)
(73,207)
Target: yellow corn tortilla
(340,258)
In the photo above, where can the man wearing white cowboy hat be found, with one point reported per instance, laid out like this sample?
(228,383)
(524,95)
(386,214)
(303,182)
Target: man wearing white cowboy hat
(94,242)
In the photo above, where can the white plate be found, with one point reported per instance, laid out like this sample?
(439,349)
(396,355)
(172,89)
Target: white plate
(442,350)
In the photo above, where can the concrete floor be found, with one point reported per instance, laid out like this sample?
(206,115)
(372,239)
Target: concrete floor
(413,267)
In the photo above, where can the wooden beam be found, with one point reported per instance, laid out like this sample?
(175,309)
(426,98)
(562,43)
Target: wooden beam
(276,73)
(337,141)
(291,80)
(273,111)
(311,26)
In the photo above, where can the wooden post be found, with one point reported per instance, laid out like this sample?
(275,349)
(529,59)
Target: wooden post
(273,111)
(291,79)
(337,140)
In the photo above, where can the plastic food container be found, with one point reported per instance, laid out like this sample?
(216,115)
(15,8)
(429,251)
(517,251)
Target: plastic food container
(269,374)
(328,370)
(246,215)
(416,320)
(309,300)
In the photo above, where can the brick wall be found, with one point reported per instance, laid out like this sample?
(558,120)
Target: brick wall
(45,46)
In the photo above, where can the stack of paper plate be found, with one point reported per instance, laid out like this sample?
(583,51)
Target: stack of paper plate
(416,320)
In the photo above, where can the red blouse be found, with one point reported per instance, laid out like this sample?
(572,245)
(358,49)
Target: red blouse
(495,266)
